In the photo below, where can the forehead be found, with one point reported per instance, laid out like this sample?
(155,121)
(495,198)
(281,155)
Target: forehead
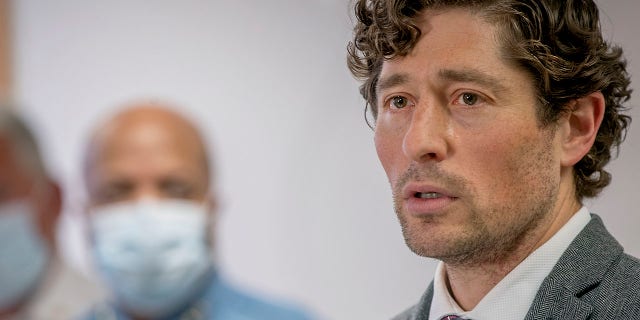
(149,148)
(451,39)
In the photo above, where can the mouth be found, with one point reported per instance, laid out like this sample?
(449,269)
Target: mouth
(425,191)
(423,200)
(428,195)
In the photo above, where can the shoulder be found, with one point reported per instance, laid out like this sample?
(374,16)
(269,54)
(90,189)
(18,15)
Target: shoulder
(620,288)
(407,314)
(228,302)
(419,311)
(617,292)
(627,268)
(619,270)
(64,294)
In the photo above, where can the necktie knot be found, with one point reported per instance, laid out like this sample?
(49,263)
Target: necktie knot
(452,317)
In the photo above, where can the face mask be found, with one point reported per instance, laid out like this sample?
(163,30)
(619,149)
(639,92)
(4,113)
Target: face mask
(23,254)
(153,254)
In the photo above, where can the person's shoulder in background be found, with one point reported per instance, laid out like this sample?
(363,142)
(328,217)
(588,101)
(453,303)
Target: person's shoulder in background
(221,301)
(63,294)
(229,303)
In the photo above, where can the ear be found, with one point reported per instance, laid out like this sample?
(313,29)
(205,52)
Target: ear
(211,203)
(581,127)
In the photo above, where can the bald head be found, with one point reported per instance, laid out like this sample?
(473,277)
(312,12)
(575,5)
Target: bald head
(146,151)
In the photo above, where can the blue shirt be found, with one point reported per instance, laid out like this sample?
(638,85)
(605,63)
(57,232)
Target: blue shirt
(219,302)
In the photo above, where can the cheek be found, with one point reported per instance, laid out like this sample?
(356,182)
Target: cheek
(383,150)
(511,167)
(389,149)
(495,160)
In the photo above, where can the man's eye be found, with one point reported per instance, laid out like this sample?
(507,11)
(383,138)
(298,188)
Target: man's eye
(177,190)
(468,98)
(398,102)
(113,193)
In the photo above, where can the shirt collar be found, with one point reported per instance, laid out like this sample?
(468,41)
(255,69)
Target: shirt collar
(514,294)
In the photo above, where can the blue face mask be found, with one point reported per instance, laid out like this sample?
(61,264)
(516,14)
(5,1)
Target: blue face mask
(153,254)
(23,254)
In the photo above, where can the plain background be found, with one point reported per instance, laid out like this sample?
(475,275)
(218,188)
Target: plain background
(306,210)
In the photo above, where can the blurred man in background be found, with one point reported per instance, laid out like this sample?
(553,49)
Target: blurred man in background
(34,284)
(150,215)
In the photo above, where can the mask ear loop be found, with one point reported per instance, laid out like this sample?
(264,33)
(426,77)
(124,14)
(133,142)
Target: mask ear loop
(211,219)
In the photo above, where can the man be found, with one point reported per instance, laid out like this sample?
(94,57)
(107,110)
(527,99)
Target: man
(494,120)
(34,284)
(151,210)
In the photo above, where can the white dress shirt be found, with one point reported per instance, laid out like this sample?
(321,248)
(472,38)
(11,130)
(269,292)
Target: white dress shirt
(511,298)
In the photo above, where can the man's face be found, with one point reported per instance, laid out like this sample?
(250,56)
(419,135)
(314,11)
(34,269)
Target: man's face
(472,171)
(152,251)
(147,160)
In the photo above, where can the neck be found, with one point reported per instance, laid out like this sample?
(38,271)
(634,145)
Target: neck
(469,283)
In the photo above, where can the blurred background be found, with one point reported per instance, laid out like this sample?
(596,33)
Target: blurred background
(306,209)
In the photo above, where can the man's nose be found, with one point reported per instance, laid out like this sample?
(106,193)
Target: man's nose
(426,138)
(146,191)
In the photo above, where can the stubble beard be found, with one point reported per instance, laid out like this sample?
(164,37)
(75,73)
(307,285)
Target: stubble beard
(479,242)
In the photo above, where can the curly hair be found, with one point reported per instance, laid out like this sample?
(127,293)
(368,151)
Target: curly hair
(558,42)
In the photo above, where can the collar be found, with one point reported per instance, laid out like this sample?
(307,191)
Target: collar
(512,297)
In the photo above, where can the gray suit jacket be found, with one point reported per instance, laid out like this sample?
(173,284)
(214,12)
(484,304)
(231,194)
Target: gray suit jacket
(594,279)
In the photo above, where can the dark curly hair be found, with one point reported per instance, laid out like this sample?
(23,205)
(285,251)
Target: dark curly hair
(558,42)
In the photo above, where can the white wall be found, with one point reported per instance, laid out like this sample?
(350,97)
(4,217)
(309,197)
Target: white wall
(619,205)
(306,208)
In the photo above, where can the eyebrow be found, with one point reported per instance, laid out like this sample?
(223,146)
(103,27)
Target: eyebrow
(463,75)
(391,81)
(473,76)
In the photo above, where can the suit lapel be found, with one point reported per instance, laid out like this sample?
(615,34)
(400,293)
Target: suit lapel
(580,269)
(558,303)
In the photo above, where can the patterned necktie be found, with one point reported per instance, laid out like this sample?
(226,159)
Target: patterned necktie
(452,317)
